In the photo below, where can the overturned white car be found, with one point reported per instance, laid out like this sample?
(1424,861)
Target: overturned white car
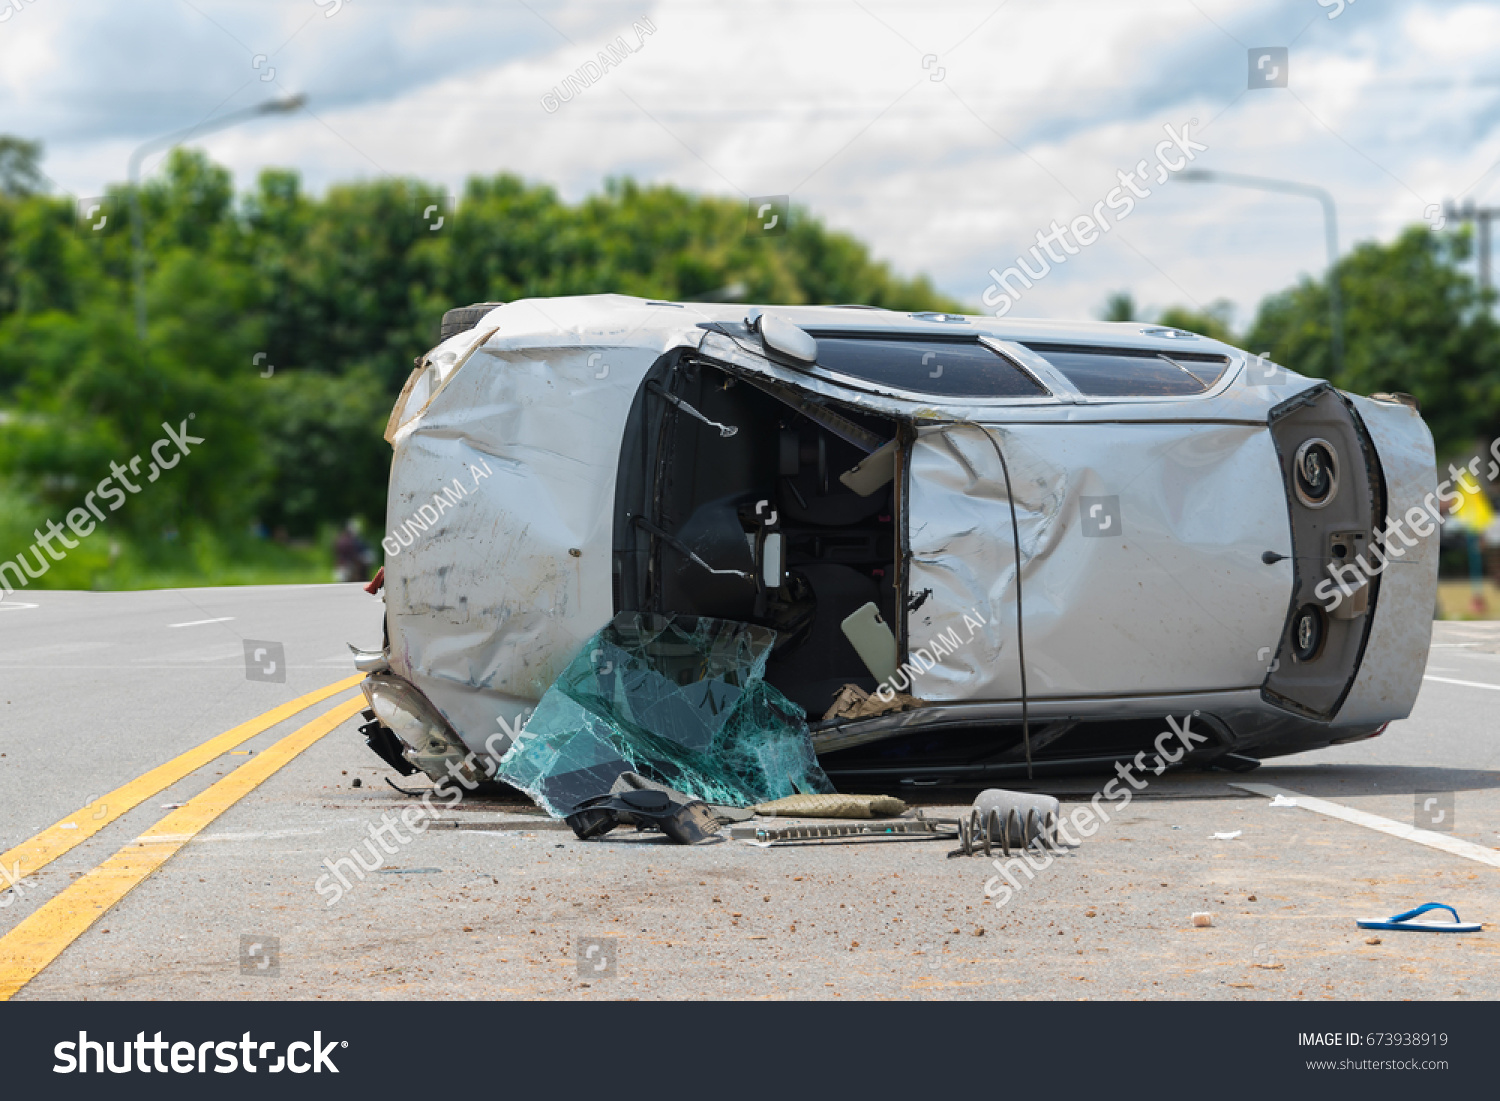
(1026,542)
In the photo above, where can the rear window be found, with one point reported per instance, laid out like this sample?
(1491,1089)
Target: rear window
(1133,372)
(961,368)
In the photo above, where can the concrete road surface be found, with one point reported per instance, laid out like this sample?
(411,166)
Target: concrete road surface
(167,845)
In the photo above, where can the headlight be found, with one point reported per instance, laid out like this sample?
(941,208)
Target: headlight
(428,378)
(1315,473)
(430,742)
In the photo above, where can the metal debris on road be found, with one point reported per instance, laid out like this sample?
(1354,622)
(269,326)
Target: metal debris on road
(1004,819)
(904,829)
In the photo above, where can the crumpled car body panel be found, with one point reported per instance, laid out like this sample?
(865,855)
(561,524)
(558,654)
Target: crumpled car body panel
(489,604)
(492,600)
(1171,597)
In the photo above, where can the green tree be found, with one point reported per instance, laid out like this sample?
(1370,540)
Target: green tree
(20,167)
(1414,321)
(1212,322)
(1119,307)
(281,327)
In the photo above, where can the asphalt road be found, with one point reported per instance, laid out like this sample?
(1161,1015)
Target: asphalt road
(97,690)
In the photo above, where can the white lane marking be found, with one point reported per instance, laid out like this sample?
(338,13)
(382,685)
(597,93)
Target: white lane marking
(1464,683)
(201,622)
(262,835)
(1451,845)
(5,607)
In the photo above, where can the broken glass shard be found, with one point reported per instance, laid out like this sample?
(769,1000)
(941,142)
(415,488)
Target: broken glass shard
(678,699)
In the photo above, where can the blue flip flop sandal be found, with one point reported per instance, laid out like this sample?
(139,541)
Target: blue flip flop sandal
(1404,921)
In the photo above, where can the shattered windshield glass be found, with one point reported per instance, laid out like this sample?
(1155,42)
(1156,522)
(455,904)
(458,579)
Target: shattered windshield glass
(680,700)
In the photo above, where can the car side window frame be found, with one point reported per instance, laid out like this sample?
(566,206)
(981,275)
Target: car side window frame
(1235,362)
(1044,379)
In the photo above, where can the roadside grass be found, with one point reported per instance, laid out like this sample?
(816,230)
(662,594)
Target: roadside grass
(1456,600)
(192,557)
(212,562)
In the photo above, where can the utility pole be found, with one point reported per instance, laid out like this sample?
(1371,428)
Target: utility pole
(1481,216)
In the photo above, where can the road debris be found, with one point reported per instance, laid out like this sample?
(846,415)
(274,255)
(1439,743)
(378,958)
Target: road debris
(902,829)
(635,801)
(679,700)
(833,806)
(853,702)
(1407,921)
(1002,819)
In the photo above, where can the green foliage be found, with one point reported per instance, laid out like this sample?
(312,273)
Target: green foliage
(333,298)
(324,441)
(1212,322)
(20,167)
(1413,322)
(1118,307)
(337,295)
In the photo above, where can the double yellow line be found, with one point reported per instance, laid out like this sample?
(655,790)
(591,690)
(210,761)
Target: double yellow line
(52,927)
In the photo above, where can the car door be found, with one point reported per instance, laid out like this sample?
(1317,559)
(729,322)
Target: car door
(1140,558)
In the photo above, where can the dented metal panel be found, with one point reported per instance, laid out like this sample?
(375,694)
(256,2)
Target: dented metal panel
(1141,554)
(1390,671)
(489,603)
(1142,524)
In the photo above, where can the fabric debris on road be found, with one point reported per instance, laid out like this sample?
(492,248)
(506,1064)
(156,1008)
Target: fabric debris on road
(834,806)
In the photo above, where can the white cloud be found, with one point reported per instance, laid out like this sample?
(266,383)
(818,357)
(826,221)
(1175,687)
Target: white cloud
(1039,106)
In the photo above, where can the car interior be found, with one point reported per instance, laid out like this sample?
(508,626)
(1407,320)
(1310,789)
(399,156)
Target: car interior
(744,510)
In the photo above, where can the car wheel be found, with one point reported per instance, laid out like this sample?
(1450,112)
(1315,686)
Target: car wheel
(464,318)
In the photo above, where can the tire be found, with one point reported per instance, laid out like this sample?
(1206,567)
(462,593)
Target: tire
(464,318)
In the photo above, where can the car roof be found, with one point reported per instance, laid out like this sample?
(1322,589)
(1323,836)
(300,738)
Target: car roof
(597,318)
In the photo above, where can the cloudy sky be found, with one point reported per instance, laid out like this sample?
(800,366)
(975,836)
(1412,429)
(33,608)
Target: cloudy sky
(944,134)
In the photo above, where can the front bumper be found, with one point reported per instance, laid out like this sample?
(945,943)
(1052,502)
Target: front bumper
(1395,656)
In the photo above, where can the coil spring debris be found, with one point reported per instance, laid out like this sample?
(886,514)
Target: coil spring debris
(984,831)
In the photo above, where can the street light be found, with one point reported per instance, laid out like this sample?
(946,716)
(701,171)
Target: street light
(1481,217)
(1330,228)
(137,236)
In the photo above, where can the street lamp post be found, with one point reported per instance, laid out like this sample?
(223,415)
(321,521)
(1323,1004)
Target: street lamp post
(1482,217)
(137,234)
(1330,229)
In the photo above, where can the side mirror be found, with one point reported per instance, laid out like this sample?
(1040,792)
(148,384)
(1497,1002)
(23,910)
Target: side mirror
(786,341)
(772,561)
